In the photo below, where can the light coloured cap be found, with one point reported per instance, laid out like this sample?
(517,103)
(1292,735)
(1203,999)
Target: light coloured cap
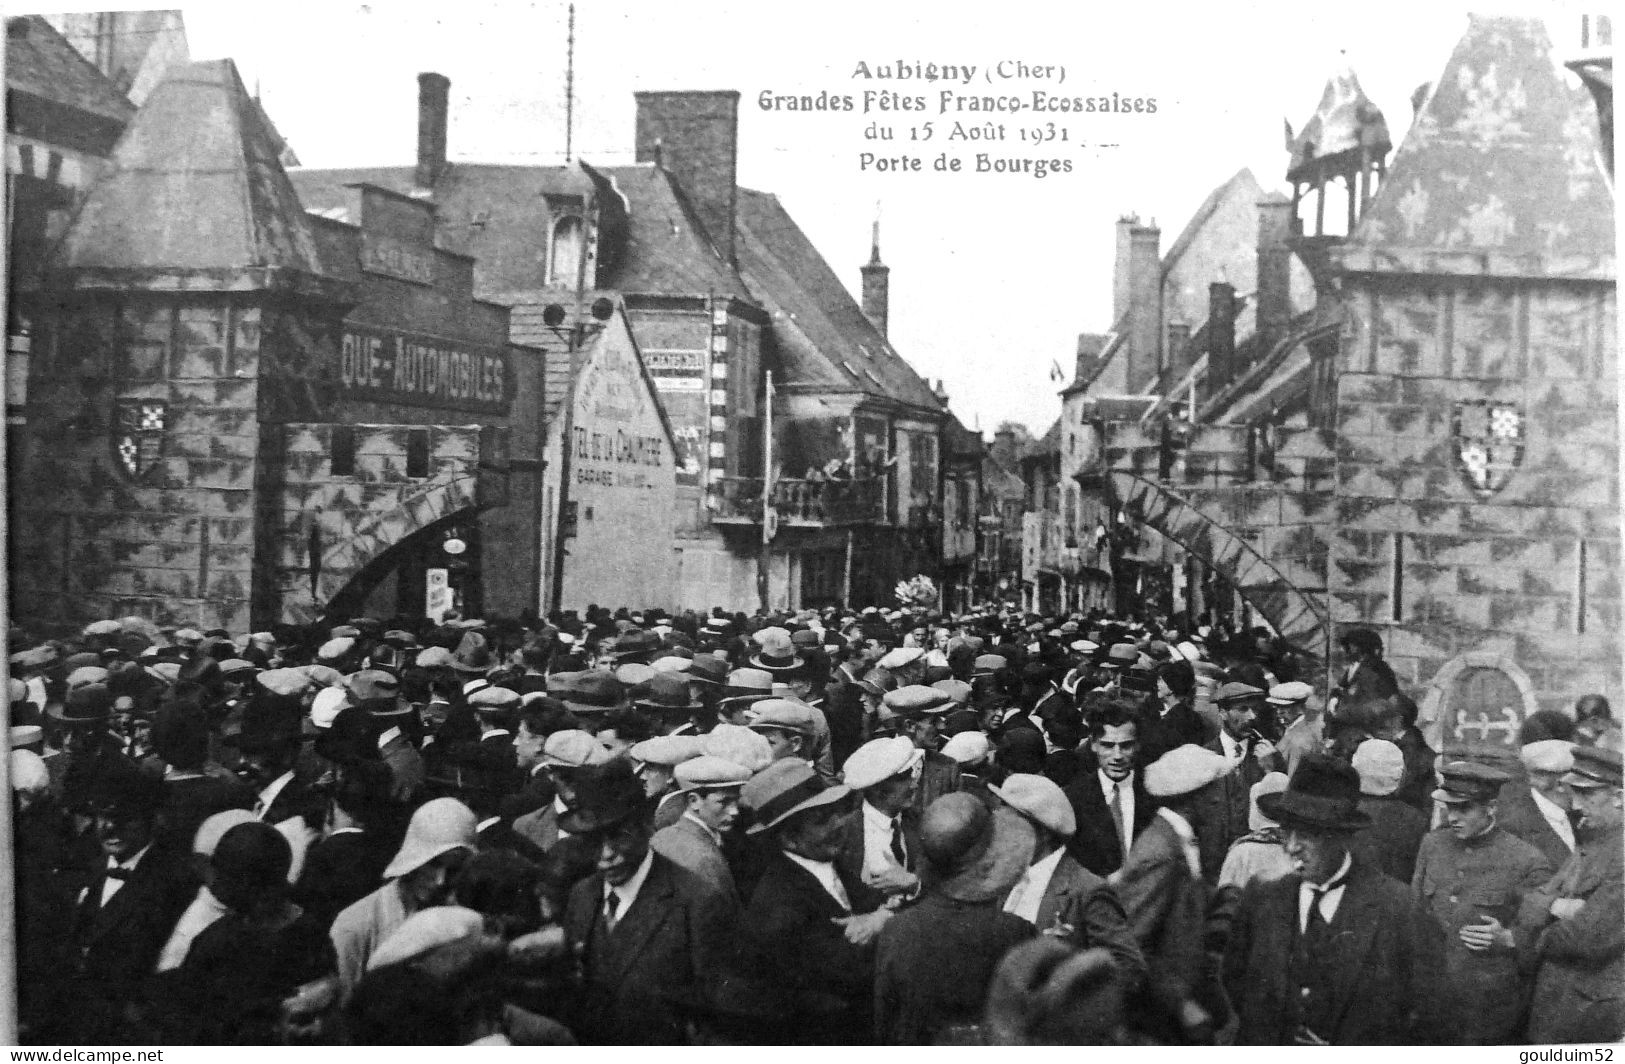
(29,734)
(707,773)
(103,628)
(28,773)
(326,706)
(86,675)
(334,649)
(324,675)
(737,743)
(878,760)
(672,664)
(667,750)
(494,698)
(917,698)
(1085,646)
(213,829)
(16,690)
(958,691)
(1272,783)
(967,747)
(899,658)
(1284,694)
(634,672)
(1188,651)
(425,931)
(1547,755)
(1040,798)
(784,715)
(475,685)
(1381,766)
(573,748)
(286,682)
(434,658)
(439,826)
(1184,769)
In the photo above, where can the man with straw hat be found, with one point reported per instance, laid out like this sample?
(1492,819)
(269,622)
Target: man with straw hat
(1335,953)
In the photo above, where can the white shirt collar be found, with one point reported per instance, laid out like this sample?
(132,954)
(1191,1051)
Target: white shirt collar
(1028,893)
(1556,816)
(827,878)
(1107,783)
(129,863)
(274,788)
(384,739)
(487,733)
(688,814)
(628,891)
(1187,837)
(1232,746)
(1309,893)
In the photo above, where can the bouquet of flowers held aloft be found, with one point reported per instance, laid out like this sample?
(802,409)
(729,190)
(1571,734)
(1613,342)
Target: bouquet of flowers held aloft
(918,592)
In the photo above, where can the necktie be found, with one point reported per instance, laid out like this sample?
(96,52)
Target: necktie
(898,851)
(612,902)
(1117,818)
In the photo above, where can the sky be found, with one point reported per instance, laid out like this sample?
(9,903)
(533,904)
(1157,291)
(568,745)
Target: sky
(992,275)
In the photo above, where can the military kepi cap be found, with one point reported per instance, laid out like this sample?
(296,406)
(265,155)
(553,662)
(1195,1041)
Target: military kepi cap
(1594,766)
(1468,781)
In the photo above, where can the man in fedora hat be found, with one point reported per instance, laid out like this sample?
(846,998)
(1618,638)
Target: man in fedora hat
(1574,924)
(934,962)
(709,789)
(1472,876)
(1334,953)
(802,945)
(640,925)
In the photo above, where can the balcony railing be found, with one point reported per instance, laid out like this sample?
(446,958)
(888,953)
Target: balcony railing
(738,500)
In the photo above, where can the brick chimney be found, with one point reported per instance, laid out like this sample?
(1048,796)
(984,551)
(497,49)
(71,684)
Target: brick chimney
(1145,306)
(1221,335)
(876,284)
(434,94)
(1120,266)
(694,136)
(1274,294)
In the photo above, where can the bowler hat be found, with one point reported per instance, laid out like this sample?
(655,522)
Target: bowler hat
(667,692)
(589,691)
(608,795)
(633,643)
(90,704)
(1324,794)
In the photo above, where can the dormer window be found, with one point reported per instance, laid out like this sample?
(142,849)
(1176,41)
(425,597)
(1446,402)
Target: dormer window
(564,257)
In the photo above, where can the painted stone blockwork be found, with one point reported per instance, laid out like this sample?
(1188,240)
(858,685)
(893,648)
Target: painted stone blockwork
(172,540)
(346,521)
(1528,573)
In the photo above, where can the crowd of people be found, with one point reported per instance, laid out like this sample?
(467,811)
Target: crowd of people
(825,827)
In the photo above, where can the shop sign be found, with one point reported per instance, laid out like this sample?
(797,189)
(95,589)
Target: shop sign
(388,366)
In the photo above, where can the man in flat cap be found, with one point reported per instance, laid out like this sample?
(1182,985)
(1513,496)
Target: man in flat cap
(1334,953)
(1537,810)
(487,768)
(566,756)
(1575,922)
(1251,758)
(920,711)
(881,851)
(1473,876)
(709,787)
(1301,718)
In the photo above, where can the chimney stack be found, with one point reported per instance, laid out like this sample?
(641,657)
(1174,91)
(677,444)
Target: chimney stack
(876,284)
(1004,449)
(694,136)
(1145,306)
(1120,267)
(434,95)
(1273,300)
(1221,335)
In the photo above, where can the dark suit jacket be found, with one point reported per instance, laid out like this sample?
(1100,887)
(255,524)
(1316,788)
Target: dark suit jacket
(1390,842)
(1084,910)
(849,864)
(1227,820)
(1167,909)
(844,709)
(189,802)
(118,944)
(1388,964)
(793,959)
(298,798)
(339,871)
(1518,815)
(668,940)
(1096,845)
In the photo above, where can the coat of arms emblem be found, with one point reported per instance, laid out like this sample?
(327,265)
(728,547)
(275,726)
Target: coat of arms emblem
(1489,443)
(138,435)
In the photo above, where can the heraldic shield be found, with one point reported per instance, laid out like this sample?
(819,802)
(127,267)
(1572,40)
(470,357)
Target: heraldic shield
(138,435)
(1489,443)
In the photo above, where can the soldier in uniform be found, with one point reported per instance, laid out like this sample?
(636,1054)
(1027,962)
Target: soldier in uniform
(1472,875)
(1575,922)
